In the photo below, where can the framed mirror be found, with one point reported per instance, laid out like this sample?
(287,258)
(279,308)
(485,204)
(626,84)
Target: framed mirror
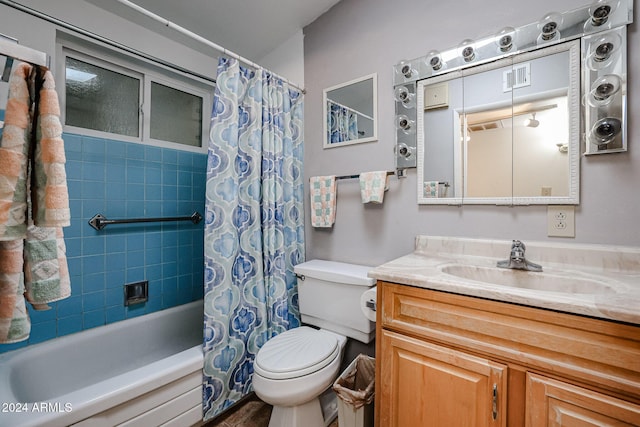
(505,132)
(350,112)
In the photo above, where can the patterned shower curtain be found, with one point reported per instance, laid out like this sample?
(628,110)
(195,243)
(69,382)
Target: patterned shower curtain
(343,123)
(254,231)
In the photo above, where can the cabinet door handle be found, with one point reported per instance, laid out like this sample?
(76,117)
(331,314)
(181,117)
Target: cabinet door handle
(494,405)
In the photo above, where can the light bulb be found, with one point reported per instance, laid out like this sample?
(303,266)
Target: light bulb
(605,130)
(405,69)
(603,50)
(434,60)
(467,51)
(405,124)
(600,10)
(549,27)
(402,94)
(505,39)
(603,90)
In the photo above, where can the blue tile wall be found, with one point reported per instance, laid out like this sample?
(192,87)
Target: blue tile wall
(126,180)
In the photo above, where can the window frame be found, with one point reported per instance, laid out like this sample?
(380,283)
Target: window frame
(173,84)
(146,72)
(116,68)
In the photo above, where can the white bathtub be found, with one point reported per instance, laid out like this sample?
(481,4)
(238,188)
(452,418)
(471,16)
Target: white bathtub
(142,371)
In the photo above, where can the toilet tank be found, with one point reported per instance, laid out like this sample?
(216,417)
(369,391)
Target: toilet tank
(329,297)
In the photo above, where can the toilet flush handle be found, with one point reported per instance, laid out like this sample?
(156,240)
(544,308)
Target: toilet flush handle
(371,304)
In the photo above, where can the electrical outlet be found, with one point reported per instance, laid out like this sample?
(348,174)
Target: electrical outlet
(561,221)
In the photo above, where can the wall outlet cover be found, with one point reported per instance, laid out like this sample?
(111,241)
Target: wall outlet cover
(561,221)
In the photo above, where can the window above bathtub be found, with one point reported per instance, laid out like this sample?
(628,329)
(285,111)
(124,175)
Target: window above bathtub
(111,95)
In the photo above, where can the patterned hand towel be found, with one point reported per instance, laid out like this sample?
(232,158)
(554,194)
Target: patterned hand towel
(46,274)
(51,203)
(14,152)
(49,195)
(373,185)
(431,189)
(14,320)
(323,200)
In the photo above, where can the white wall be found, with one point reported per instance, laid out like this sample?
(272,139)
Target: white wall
(358,37)
(287,60)
(41,35)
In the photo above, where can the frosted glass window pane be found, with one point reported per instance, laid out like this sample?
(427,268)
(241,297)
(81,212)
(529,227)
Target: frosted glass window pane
(176,116)
(101,99)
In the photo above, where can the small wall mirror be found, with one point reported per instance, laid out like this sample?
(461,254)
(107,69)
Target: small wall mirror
(351,112)
(505,132)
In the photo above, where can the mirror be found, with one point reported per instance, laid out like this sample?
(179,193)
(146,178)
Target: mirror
(600,30)
(505,132)
(351,112)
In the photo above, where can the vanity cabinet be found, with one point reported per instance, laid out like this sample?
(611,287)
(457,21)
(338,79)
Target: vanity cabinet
(451,360)
(435,385)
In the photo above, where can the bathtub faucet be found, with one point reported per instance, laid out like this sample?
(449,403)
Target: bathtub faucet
(517,259)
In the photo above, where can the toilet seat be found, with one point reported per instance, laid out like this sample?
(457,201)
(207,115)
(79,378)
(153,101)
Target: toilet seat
(295,353)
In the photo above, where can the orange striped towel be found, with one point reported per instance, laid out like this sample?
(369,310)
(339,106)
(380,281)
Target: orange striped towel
(33,262)
(49,194)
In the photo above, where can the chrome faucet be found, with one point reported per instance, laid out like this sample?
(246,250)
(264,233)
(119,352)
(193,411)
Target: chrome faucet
(517,259)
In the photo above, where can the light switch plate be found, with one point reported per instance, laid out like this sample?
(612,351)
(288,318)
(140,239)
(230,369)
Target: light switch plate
(561,221)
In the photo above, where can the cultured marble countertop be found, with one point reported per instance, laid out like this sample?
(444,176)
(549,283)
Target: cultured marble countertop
(597,280)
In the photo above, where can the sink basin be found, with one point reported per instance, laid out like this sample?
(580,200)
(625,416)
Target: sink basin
(538,281)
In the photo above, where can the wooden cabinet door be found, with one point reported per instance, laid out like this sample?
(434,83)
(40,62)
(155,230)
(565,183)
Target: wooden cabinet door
(555,403)
(423,384)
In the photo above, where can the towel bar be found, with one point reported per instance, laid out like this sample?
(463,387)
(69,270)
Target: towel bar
(99,222)
(358,176)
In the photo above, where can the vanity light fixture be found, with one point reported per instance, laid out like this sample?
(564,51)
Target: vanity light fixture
(467,51)
(600,25)
(549,27)
(434,60)
(505,39)
(603,90)
(532,122)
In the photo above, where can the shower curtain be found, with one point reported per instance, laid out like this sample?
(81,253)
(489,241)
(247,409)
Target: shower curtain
(254,230)
(343,124)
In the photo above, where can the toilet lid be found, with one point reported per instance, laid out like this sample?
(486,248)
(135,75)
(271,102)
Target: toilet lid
(296,352)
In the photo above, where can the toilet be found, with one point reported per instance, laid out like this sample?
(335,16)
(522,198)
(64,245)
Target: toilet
(293,369)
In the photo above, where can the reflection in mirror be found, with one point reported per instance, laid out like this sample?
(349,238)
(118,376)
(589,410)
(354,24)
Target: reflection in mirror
(527,135)
(350,112)
(502,133)
(440,132)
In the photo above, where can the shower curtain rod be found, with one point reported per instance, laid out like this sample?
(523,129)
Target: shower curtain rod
(349,108)
(202,40)
(103,39)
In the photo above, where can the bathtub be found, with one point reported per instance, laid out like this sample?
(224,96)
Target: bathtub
(141,371)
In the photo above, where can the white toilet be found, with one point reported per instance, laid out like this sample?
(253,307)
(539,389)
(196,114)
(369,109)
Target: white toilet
(293,369)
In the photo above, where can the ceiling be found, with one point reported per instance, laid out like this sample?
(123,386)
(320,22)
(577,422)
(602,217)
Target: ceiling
(250,29)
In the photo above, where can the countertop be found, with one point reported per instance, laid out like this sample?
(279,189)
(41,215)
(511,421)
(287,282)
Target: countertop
(614,268)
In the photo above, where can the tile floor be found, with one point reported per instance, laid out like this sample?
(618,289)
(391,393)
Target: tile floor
(252,413)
